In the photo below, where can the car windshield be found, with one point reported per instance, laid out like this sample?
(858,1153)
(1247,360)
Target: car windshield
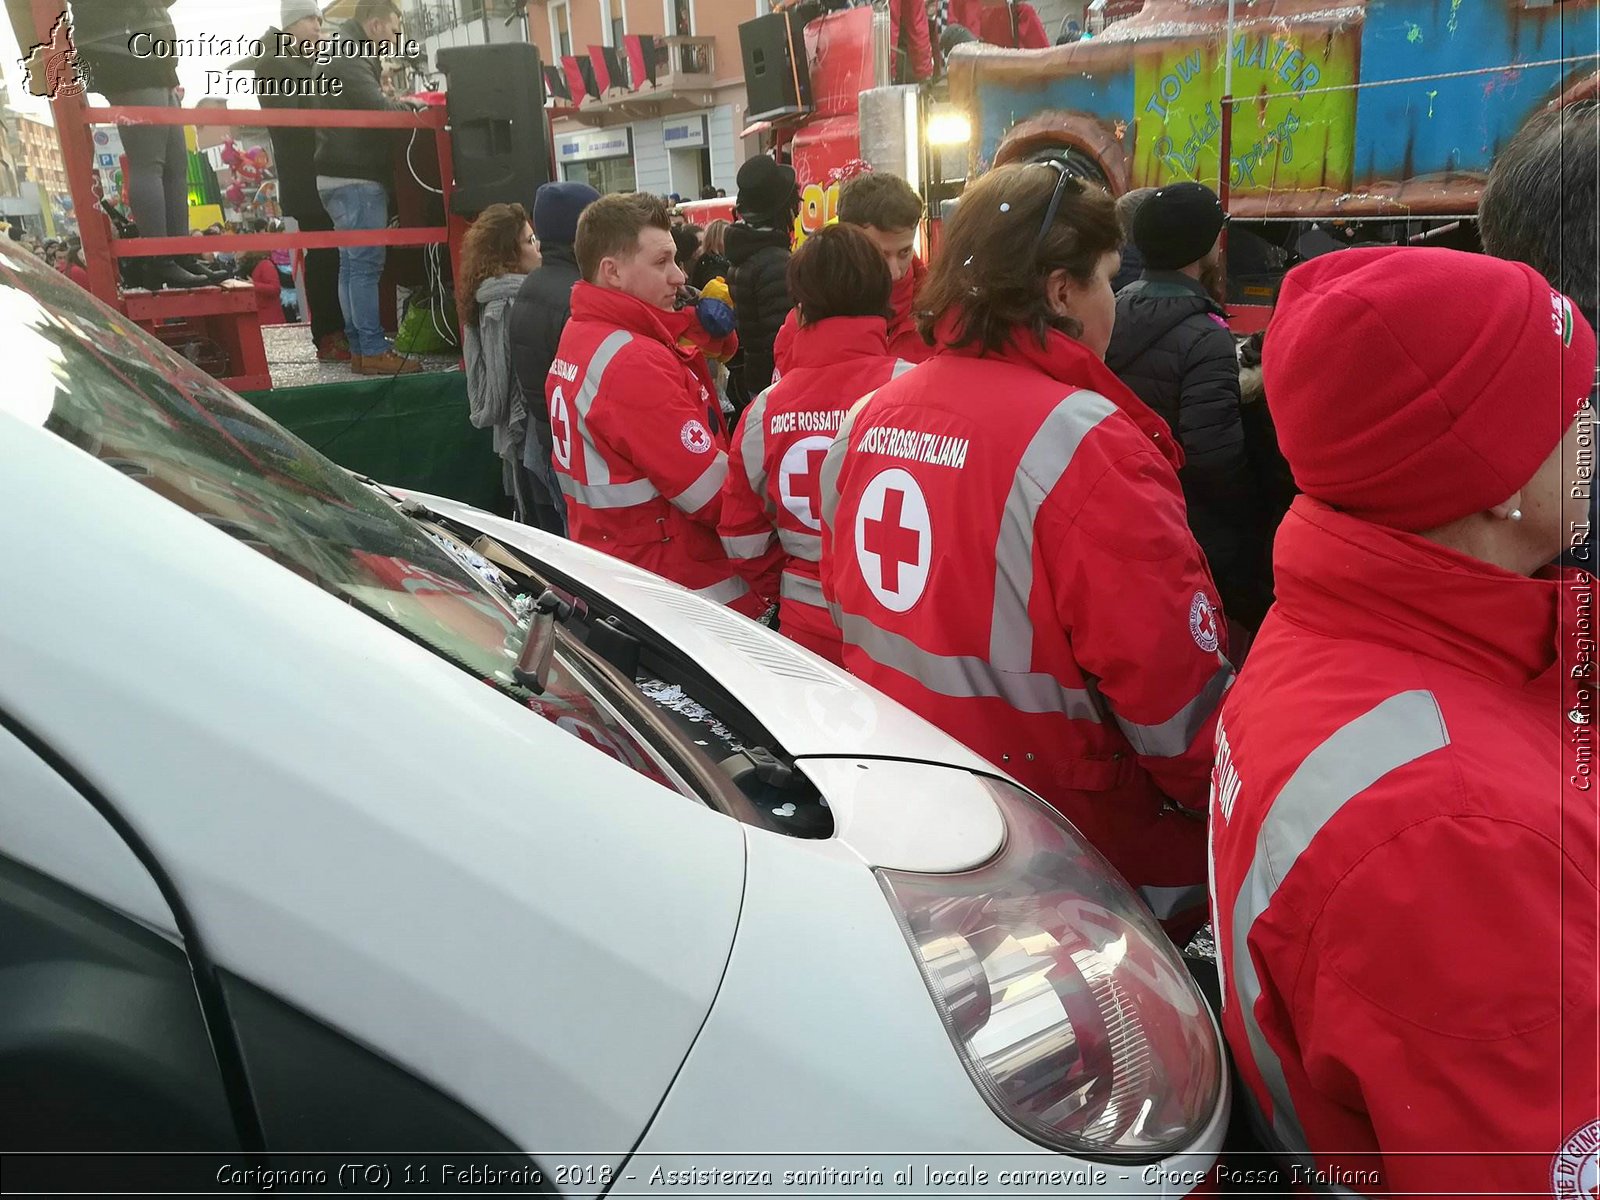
(95,380)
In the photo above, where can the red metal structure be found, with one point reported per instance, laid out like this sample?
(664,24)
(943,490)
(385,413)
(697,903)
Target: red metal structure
(228,315)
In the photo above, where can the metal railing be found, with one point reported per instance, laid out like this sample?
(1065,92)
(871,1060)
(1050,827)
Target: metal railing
(74,118)
(687,55)
(426,20)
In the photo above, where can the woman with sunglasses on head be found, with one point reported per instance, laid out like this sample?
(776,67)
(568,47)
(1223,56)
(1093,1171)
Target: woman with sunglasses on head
(1005,546)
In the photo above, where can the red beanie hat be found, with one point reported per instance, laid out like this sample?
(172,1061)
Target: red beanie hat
(1411,387)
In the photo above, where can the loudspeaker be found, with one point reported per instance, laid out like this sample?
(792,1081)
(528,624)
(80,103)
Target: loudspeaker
(499,134)
(777,78)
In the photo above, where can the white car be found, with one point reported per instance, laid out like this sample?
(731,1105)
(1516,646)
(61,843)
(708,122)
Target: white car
(375,836)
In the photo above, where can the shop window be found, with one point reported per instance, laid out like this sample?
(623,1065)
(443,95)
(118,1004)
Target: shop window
(604,175)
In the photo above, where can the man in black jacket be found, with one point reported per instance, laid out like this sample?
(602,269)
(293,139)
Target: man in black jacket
(758,247)
(1171,346)
(354,172)
(294,153)
(538,316)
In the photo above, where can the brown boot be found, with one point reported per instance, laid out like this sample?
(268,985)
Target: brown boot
(387,363)
(334,348)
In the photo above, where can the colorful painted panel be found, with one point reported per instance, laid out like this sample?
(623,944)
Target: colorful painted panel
(1504,59)
(1293,121)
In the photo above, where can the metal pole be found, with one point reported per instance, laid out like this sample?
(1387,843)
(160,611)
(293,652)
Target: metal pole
(1225,145)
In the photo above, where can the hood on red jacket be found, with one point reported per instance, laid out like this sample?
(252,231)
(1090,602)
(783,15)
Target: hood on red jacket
(837,339)
(1338,575)
(1071,362)
(611,307)
(904,340)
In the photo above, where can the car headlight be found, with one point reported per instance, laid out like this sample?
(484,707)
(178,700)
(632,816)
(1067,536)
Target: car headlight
(1070,1009)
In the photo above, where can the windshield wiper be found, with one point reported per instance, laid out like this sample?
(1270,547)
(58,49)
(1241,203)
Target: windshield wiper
(538,650)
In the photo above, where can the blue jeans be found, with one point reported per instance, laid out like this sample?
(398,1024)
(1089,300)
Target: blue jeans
(360,206)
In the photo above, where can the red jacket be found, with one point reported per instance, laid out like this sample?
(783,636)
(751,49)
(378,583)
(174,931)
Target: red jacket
(774,494)
(269,292)
(1010,559)
(919,49)
(639,447)
(991,21)
(904,340)
(1404,846)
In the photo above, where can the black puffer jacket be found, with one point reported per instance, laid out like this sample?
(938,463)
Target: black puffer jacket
(760,287)
(537,318)
(706,268)
(102,30)
(356,153)
(1172,347)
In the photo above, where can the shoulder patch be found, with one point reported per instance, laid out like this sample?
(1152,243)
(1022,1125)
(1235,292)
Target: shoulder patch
(695,437)
(1203,623)
(1575,1169)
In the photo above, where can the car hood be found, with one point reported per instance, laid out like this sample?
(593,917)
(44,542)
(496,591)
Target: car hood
(813,708)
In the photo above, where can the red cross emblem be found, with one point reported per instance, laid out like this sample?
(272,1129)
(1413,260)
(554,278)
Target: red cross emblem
(891,541)
(1203,623)
(561,428)
(800,479)
(894,539)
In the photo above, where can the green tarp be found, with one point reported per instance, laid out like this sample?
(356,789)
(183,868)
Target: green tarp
(410,431)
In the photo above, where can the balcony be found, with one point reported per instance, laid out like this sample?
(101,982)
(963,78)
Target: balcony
(685,76)
(425,19)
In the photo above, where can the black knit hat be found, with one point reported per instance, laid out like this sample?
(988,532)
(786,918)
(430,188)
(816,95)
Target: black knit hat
(766,188)
(1177,225)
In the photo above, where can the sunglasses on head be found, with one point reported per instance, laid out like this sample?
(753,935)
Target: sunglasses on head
(1065,181)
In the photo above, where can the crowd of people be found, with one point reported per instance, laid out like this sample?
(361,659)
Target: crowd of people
(328,179)
(1290,608)
(269,273)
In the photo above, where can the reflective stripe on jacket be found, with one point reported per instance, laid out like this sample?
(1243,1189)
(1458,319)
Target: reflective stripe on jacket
(1008,555)
(638,445)
(1404,859)
(772,507)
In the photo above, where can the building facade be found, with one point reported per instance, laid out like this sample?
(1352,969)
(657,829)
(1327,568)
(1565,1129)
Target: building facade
(684,132)
(40,151)
(678,134)
(39,159)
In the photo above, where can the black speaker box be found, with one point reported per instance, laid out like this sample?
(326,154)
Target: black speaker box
(777,78)
(499,135)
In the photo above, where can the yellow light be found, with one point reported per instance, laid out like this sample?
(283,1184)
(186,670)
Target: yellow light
(949,129)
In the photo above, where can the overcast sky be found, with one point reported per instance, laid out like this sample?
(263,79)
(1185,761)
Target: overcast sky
(191,18)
